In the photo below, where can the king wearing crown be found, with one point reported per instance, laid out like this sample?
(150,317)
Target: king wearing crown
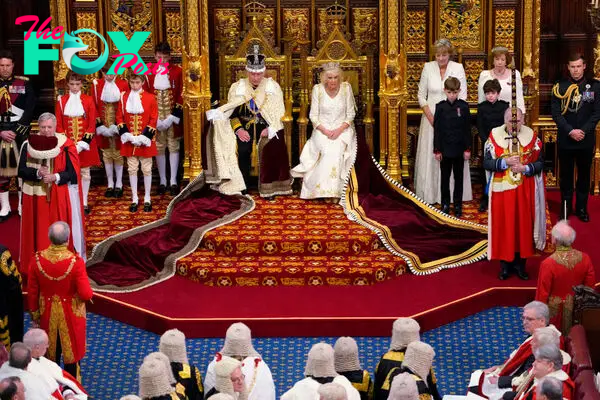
(250,121)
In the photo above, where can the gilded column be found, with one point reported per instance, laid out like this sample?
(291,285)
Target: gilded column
(531,57)
(58,11)
(196,87)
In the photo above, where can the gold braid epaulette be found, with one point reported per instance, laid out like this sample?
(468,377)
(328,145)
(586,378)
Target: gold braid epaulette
(565,99)
(21,77)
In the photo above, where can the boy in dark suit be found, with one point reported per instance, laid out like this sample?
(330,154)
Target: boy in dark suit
(452,142)
(490,115)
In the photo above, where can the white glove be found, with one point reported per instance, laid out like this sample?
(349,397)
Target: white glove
(272,133)
(174,120)
(135,140)
(215,115)
(167,122)
(113,130)
(143,140)
(82,146)
(101,130)
(127,137)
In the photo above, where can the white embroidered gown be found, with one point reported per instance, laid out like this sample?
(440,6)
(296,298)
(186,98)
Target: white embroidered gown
(325,163)
(427,169)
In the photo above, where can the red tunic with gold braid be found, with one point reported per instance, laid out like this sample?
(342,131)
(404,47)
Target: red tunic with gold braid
(561,271)
(58,288)
(81,128)
(170,101)
(138,124)
(106,113)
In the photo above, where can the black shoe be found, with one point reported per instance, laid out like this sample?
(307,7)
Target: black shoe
(174,190)
(483,206)
(244,192)
(583,215)
(133,207)
(110,192)
(269,198)
(522,274)
(147,207)
(161,189)
(505,271)
(446,208)
(118,193)
(458,211)
(86,210)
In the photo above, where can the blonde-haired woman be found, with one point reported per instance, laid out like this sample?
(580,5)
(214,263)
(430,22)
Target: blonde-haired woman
(501,70)
(329,154)
(431,92)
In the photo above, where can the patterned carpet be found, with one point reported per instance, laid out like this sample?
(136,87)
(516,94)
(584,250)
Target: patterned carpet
(289,242)
(116,350)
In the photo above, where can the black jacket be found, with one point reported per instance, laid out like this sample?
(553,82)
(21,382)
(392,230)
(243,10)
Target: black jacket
(451,128)
(585,118)
(490,116)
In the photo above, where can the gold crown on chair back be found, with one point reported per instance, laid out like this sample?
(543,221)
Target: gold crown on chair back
(330,66)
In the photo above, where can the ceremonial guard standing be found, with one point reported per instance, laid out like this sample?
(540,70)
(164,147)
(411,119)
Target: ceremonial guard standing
(76,119)
(168,89)
(576,111)
(107,93)
(58,288)
(17,102)
(137,114)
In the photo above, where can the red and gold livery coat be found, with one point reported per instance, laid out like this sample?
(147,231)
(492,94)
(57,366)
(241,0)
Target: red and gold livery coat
(58,288)
(80,128)
(106,113)
(138,124)
(173,99)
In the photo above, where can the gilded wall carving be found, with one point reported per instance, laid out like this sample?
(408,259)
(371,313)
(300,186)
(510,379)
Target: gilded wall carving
(364,25)
(88,20)
(324,27)
(415,31)
(267,26)
(296,27)
(504,28)
(472,69)
(228,25)
(461,22)
(131,16)
(413,75)
(174,29)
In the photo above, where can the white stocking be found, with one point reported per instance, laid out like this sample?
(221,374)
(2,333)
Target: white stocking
(108,167)
(133,179)
(85,186)
(147,187)
(5,204)
(161,162)
(174,161)
(119,171)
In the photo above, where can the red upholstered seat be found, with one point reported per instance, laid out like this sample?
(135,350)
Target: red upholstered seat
(577,347)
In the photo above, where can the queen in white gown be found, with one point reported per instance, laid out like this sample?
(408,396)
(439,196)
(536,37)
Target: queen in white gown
(431,92)
(329,154)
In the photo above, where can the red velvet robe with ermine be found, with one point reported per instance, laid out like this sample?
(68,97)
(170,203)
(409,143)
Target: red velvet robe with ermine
(561,271)
(176,89)
(515,223)
(42,204)
(568,387)
(80,128)
(138,124)
(58,288)
(102,114)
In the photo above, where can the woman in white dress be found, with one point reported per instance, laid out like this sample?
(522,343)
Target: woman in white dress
(431,92)
(329,154)
(501,71)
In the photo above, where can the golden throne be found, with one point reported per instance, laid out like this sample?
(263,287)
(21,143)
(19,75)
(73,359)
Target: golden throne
(279,67)
(358,71)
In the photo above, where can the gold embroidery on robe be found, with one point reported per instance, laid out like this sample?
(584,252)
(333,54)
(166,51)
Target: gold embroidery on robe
(58,327)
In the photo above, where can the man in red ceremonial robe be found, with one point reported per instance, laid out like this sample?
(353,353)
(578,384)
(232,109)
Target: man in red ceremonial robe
(107,93)
(49,167)
(517,216)
(137,115)
(548,363)
(58,288)
(565,268)
(168,89)
(76,118)
(535,315)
